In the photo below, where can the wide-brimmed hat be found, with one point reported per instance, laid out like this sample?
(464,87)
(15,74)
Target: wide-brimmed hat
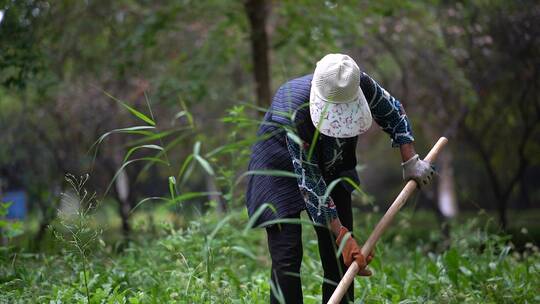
(337,104)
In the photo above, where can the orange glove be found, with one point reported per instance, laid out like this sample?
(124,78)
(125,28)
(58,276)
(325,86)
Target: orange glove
(352,252)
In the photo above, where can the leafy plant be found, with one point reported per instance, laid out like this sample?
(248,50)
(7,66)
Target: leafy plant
(78,237)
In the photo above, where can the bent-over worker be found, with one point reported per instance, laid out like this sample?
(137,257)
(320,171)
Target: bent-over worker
(311,129)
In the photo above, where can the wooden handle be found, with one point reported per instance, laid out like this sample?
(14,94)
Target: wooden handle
(383,224)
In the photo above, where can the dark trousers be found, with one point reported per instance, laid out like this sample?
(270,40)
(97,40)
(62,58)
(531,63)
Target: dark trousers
(285,245)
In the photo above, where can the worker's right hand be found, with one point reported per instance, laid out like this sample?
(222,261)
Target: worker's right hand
(419,170)
(352,252)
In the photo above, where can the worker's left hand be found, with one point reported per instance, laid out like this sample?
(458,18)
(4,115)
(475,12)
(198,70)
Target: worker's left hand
(352,252)
(365,272)
(419,170)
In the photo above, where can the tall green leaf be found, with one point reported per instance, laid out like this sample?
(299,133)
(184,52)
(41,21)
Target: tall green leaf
(133,111)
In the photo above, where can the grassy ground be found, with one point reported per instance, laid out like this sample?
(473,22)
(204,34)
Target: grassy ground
(214,260)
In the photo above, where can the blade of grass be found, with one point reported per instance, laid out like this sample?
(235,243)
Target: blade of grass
(244,251)
(186,196)
(172,187)
(331,186)
(132,150)
(317,133)
(255,216)
(167,148)
(291,221)
(197,148)
(217,228)
(133,111)
(184,167)
(235,146)
(128,130)
(148,105)
(124,165)
(205,164)
(188,114)
(279,173)
(156,136)
(153,198)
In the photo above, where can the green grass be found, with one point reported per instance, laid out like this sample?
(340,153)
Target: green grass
(212,260)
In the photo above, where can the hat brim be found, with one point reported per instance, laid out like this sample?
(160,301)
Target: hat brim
(341,120)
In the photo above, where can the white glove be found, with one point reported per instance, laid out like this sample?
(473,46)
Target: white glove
(419,170)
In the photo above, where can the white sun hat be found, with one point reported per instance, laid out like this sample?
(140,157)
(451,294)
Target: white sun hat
(337,104)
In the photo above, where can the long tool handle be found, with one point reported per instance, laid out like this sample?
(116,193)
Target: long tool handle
(400,200)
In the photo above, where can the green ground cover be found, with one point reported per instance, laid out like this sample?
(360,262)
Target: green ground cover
(215,260)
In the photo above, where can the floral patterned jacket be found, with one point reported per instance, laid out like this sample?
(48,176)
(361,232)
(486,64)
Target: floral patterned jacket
(314,172)
(285,138)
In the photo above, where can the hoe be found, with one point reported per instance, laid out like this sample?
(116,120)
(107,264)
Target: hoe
(385,221)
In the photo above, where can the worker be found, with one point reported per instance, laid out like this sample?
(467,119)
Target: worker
(311,129)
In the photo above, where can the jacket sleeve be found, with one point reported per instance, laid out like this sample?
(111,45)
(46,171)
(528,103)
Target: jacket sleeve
(387,111)
(311,183)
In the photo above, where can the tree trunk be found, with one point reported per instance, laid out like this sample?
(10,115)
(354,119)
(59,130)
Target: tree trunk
(503,218)
(257,13)
(124,207)
(446,196)
(444,225)
(48,209)
(524,200)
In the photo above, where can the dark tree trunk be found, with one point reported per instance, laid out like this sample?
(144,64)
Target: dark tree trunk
(123,196)
(48,210)
(124,209)
(257,13)
(503,218)
(431,195)
(524,200)
(122,189)
(446,193)
(41,234)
